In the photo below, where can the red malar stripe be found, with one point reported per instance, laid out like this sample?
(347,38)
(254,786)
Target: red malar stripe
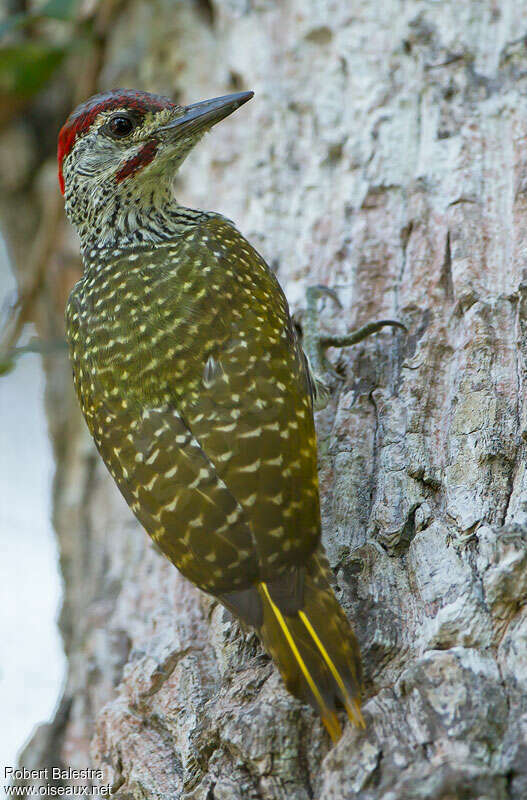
(133,165)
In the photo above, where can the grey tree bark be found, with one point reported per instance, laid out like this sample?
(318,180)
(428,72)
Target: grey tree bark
(385,153)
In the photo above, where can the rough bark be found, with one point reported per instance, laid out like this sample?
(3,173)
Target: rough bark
(385,153)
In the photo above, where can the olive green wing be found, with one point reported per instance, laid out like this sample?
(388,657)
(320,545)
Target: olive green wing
(167,479)
(253,413)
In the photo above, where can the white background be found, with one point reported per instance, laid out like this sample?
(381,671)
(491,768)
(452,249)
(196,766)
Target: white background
(31,656)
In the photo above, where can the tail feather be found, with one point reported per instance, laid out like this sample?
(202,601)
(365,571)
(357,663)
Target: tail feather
(300,665)
(313,644)
(351,703)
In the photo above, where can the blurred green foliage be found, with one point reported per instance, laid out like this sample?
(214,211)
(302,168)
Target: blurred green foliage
(64,10)
(28,61)
(33,46)
(26,67)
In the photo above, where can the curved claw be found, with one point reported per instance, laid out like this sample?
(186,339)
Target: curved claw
(314,293)
(321,372)
(362,333)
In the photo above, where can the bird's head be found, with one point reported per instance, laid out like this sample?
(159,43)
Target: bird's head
(120,150)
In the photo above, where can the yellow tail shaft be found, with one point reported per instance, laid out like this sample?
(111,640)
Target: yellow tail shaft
(314,646)
(351,704)
(329,718)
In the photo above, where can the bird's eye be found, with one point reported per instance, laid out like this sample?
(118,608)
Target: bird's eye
(120,126)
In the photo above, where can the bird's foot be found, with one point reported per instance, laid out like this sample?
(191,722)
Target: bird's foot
(324,376)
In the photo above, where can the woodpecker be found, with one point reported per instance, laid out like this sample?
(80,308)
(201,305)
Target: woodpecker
(196,390)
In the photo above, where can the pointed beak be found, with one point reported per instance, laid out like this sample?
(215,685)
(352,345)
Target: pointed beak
(199,117)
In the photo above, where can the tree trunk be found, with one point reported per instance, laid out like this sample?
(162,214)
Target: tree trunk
(384,154)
